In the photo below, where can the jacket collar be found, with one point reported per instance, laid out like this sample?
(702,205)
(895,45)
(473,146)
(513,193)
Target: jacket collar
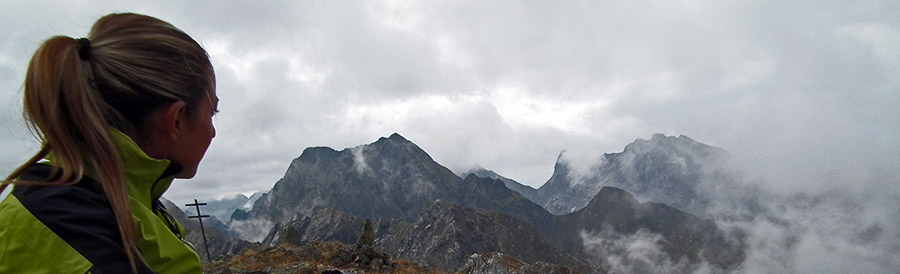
(147,178)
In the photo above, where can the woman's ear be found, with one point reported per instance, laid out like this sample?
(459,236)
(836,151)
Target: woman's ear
(162,130)
(173,119)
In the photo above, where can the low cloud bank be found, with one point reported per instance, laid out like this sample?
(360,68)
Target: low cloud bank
(640,252)
(839,231)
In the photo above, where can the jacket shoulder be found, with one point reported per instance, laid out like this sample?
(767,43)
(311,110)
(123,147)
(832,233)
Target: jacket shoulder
(77,216)
(30,247)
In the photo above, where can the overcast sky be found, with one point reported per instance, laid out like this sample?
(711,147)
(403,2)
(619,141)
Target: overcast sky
(806,93)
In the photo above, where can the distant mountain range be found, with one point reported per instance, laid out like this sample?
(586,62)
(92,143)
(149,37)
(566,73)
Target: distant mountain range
(219,238)
(428,214)
(223,208)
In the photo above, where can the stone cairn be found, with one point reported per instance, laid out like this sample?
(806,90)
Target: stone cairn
(363,254)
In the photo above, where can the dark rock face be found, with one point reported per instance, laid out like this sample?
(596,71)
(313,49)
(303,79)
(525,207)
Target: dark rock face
(325,225)
(526,191)
(443,237)
(239,215)
(446,234)
(391,178)
(676,171)
(492,194)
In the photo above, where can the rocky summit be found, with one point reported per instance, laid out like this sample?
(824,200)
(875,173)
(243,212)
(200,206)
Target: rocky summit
(676,171)
(391,178)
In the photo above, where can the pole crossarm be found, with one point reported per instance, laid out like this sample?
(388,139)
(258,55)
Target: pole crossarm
(200,217)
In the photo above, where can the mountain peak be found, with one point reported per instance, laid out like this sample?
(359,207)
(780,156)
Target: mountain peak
(612,197)
(316,152)
(658,136)
(394,140)
(662,141)
(396,137)
(666,169)
(377,175)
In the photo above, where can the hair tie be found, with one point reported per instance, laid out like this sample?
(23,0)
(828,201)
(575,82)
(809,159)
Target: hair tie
(85,52)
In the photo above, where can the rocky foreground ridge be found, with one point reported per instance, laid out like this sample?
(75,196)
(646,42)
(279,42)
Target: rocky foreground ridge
(338,258)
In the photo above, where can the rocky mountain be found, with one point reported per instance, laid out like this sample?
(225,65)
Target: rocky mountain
(526,191)
(446,234)
(676,171)
(390,178)
(406,239)
(422,211)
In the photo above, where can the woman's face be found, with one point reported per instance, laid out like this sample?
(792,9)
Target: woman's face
(198,134)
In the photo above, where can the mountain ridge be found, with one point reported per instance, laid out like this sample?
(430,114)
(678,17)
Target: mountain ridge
(395,182)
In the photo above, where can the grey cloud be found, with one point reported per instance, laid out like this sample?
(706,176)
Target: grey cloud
(805,94)
(639,252)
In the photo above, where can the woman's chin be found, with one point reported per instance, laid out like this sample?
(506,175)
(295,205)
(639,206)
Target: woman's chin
(186,174)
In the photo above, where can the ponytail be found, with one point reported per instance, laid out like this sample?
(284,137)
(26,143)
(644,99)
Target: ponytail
(68,115)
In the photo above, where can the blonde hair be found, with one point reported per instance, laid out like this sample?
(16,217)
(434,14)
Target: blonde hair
(133,65)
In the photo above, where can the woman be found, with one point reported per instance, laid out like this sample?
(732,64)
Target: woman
(120,114)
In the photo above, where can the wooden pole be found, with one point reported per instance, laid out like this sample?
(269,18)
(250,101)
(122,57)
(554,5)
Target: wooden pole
(202,231)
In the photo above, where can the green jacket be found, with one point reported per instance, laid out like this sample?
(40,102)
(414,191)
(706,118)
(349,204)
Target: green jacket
(71,229)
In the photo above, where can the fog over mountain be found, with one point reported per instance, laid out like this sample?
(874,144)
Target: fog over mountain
(853,229)
(833,229)
(676,171)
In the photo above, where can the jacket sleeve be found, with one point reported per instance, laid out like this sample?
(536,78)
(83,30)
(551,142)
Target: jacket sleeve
(81,217)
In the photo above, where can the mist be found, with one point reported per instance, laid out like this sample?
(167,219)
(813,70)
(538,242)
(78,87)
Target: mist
(639,252)
(847,229)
